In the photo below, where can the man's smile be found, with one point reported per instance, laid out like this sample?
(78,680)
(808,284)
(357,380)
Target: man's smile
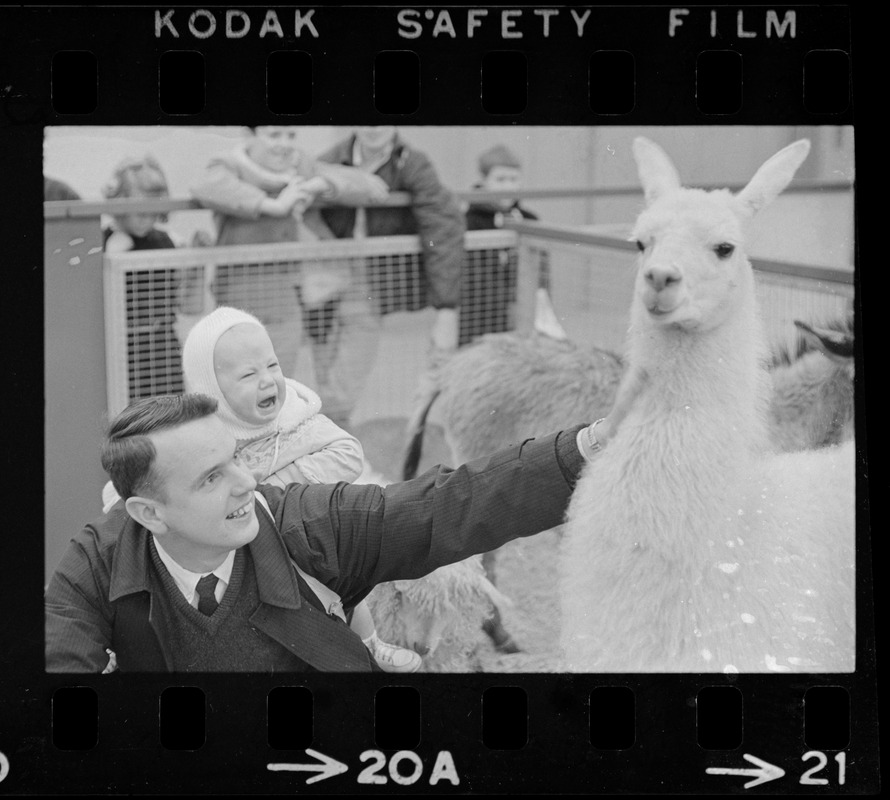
(243,511)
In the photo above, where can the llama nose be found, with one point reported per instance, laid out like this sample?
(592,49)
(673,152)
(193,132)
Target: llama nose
(659,277)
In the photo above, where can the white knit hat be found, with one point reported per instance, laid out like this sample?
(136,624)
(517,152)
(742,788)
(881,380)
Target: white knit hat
(198,370)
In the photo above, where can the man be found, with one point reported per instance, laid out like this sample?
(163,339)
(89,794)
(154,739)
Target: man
(193,570)
(383,285)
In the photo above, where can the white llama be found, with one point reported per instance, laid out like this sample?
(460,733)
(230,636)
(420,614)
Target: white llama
(689,546)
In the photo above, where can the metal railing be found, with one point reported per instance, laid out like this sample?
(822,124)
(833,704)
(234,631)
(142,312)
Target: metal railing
(153,297)
(114,322)
(590,278)
(57,209)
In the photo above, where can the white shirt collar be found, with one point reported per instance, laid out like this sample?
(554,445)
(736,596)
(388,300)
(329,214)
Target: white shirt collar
(187,581)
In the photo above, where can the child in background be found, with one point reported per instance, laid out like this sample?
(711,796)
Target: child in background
(281,435)
(153,364)
(490,289)
(261,192)
(500,171)
(135,178)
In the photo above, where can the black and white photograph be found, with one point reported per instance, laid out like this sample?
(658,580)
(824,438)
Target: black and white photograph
(371,305)
(439,399)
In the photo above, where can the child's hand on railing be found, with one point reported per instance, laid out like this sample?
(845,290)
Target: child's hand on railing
(201,238)
(293,198)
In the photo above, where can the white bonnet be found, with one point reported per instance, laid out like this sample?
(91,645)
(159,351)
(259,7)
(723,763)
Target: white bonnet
(197,361)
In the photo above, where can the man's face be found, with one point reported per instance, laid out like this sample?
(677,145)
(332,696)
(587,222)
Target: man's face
(375,137)
(249,374)
(207,505)
(274,146)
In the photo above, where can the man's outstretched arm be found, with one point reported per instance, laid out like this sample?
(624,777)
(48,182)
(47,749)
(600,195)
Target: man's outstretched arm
(354,536)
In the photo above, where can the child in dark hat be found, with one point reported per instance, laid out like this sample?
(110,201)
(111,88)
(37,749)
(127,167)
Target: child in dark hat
(500,171)
(490,279)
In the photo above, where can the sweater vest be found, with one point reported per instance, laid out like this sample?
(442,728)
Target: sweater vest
(225,641)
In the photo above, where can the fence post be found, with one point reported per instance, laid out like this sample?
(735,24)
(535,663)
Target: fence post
(74,378)
(527,277)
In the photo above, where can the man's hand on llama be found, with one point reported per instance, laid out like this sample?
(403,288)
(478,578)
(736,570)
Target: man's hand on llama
(595,436)
(630,388)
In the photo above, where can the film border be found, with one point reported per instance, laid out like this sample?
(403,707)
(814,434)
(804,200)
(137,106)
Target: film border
(563,760)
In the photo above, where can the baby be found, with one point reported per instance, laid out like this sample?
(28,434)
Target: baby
(280,433)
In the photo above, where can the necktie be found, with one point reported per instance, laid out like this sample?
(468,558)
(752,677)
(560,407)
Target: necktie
(206,598)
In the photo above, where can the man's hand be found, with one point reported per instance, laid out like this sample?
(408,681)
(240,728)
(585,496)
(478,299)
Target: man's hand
(632,384)
(378,189)
(594,437)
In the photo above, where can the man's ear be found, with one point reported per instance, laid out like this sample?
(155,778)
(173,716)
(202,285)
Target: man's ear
(148,512)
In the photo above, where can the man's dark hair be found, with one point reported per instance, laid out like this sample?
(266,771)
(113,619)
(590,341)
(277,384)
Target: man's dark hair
(128,454)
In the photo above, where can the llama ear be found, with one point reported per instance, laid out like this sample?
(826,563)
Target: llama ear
(657,172)
(773,176)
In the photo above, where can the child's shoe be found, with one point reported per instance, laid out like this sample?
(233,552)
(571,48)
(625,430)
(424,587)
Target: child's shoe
(391,658)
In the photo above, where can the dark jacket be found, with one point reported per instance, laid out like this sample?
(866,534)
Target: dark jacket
(434,215)
(485,216)
(350,537)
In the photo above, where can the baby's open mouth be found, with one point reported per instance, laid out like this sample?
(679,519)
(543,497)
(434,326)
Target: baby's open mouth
(268,402)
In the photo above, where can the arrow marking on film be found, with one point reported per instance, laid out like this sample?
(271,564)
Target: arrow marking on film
(764,773)
(327,769)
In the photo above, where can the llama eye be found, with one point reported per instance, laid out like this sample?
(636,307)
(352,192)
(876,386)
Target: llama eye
(640,246)
(724,250)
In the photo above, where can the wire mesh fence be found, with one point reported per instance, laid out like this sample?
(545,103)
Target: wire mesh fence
(335,310)
(342,314)
(591,287)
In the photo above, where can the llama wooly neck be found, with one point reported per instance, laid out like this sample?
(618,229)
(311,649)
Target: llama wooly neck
(694,316)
